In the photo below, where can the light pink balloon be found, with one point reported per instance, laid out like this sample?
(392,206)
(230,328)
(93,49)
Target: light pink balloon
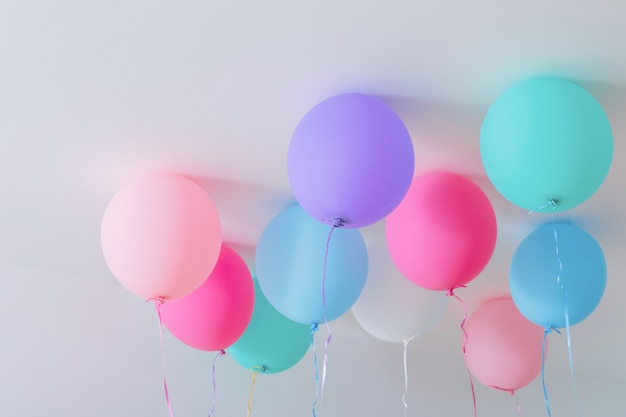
(503,347)
(443,233)
(217,313)
(161,236)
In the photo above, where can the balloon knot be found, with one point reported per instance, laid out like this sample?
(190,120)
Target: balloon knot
(549,329)
(222,352)
(552,203)
(450,292)
(314,327)
(509,390)
(157,300)
(258,368)
(336,222)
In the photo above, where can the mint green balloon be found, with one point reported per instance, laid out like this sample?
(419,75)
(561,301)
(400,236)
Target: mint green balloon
(546,139)
(271,343)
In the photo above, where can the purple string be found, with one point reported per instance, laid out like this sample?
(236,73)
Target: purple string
(313,330)
(451,293)
(219,353)
(338,222)
(159,302)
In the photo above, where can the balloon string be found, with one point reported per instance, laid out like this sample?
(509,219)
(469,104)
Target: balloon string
(313,330)
(565,309)
(451,293)
(159,302)
(220,353)
(337,222)
(406,376)
(255,371)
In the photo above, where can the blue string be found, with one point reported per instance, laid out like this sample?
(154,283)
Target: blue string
(313,330)
(565,309)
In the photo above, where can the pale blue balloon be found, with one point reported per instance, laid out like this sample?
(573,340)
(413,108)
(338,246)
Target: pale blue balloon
(290,267)
(546,139)
(534,275)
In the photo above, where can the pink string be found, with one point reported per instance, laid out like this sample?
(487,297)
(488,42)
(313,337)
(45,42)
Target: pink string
(451,293)
(220,353)
(159,302)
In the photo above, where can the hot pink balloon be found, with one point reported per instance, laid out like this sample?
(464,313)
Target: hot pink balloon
(504,349)
(217,313)
(443,233)
(161,236)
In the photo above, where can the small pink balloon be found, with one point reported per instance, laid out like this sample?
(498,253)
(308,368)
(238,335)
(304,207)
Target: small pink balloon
(504,349)
(161,236)
(443,233)
(217,313)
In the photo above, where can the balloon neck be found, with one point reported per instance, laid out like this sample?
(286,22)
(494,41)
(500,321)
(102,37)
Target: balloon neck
(549,329)
(258,369)
(551,203)
(509,390)
(157,300)
(314,327)
(450,292)
(336,222)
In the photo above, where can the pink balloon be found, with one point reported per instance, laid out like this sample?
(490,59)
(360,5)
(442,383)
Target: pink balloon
(217,313)
(161,236)
(443,233)
(503,347)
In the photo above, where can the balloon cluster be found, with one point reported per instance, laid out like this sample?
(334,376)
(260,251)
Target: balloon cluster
(546,145)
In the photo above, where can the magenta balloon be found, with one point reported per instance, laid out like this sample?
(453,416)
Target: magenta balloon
(503,348)
(350,157)
(443,233)
(217,313)
(161,236)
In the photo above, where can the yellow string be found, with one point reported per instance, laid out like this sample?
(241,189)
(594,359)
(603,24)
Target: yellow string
(255,371)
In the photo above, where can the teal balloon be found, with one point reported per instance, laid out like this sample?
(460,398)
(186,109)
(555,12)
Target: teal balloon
(291,263)
(534,279)
(546,139)
(271,343)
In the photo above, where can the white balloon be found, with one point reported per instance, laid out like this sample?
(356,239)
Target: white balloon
(392,308)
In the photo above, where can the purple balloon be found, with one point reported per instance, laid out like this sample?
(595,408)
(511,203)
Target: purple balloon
(350,158)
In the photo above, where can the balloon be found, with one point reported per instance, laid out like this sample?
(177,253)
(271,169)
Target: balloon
(271,342)
(534,275)
(546,139)
(214,315)
(161,236)
(504,350)
(443,233)
(391,308)
(290,267)
(350,157)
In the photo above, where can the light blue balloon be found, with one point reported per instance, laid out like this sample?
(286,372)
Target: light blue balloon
(534,275)
(290,266)
(271,343)
(546,139)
